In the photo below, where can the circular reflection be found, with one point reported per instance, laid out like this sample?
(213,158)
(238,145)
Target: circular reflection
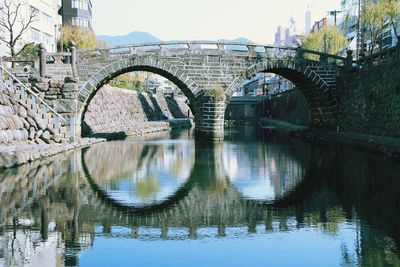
(264,173)
(140,173)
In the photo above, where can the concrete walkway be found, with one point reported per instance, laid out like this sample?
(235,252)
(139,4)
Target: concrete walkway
(385,144)
(282,125)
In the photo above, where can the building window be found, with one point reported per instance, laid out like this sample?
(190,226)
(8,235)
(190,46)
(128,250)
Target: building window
(35,35)
(48,39)
(83,23)
(80,4)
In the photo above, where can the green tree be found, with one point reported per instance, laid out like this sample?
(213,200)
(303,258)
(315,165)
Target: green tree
(327,40)
(392,10)
(30,50)
(374,21)
(83,38)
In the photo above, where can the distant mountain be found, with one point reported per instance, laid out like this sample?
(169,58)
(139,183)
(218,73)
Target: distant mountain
(130,38)
(137,37)
(237,47)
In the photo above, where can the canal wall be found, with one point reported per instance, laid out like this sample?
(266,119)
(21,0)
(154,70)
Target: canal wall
(370,100)
(115,112)
(245,109)
(290,106)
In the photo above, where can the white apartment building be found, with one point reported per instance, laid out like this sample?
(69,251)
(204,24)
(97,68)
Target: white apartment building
(44,29)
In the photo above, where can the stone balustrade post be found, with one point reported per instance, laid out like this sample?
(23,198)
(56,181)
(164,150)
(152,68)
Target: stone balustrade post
(252,50)
(42,60)
(73,59)
(299,54)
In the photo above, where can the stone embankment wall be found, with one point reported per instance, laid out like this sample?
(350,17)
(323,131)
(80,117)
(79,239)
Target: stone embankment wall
(114,111)
(370,100)
(23,119)
(21,124)
(290,106)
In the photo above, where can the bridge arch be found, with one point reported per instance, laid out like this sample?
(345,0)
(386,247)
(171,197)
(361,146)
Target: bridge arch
(144,63)
(315,82)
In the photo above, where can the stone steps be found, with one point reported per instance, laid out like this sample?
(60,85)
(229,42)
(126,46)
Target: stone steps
(38,116)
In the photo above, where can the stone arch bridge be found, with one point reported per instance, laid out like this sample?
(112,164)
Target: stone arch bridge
(207,72)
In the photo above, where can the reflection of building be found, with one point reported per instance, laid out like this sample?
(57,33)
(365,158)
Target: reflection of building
(270,177)
(42,30)
(23,248)
(77,13)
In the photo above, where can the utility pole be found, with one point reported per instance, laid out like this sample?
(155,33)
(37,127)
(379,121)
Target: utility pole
(360,34)
(334,13)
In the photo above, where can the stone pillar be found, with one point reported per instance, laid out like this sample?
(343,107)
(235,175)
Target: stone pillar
(73,60)
(210,122)
(42,60)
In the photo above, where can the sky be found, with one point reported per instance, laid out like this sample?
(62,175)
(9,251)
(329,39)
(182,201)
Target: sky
(205,19)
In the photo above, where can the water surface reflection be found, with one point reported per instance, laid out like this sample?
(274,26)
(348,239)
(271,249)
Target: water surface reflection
(258,199)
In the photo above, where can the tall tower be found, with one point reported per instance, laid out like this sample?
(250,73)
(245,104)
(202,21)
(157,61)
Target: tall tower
(308,23)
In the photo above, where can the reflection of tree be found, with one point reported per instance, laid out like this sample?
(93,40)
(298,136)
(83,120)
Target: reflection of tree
(147,188)
(335,196)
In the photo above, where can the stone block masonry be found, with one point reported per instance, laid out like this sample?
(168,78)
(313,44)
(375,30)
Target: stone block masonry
(370,100)
(290,106)
(115,112)
(196,69)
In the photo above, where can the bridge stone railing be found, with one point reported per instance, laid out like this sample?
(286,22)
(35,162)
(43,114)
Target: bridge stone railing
(41,64)
(252,49)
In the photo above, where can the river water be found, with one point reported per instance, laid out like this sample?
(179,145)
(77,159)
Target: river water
(258,199)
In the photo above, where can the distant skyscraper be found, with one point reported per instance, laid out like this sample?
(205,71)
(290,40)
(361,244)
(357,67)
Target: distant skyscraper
(287,36)
(308,24)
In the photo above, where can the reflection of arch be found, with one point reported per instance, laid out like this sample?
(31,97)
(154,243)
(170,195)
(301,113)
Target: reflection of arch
(311,80)
(178,195)
(144,63)
(208,167)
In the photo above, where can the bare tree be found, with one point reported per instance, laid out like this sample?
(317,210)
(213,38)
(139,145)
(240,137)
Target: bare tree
(13,23)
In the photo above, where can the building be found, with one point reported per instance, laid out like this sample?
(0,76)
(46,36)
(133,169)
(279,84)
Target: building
(350,27)
(77,13)
(308,19)
(319,25)
(43,30)
(349,24)
(287,36)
